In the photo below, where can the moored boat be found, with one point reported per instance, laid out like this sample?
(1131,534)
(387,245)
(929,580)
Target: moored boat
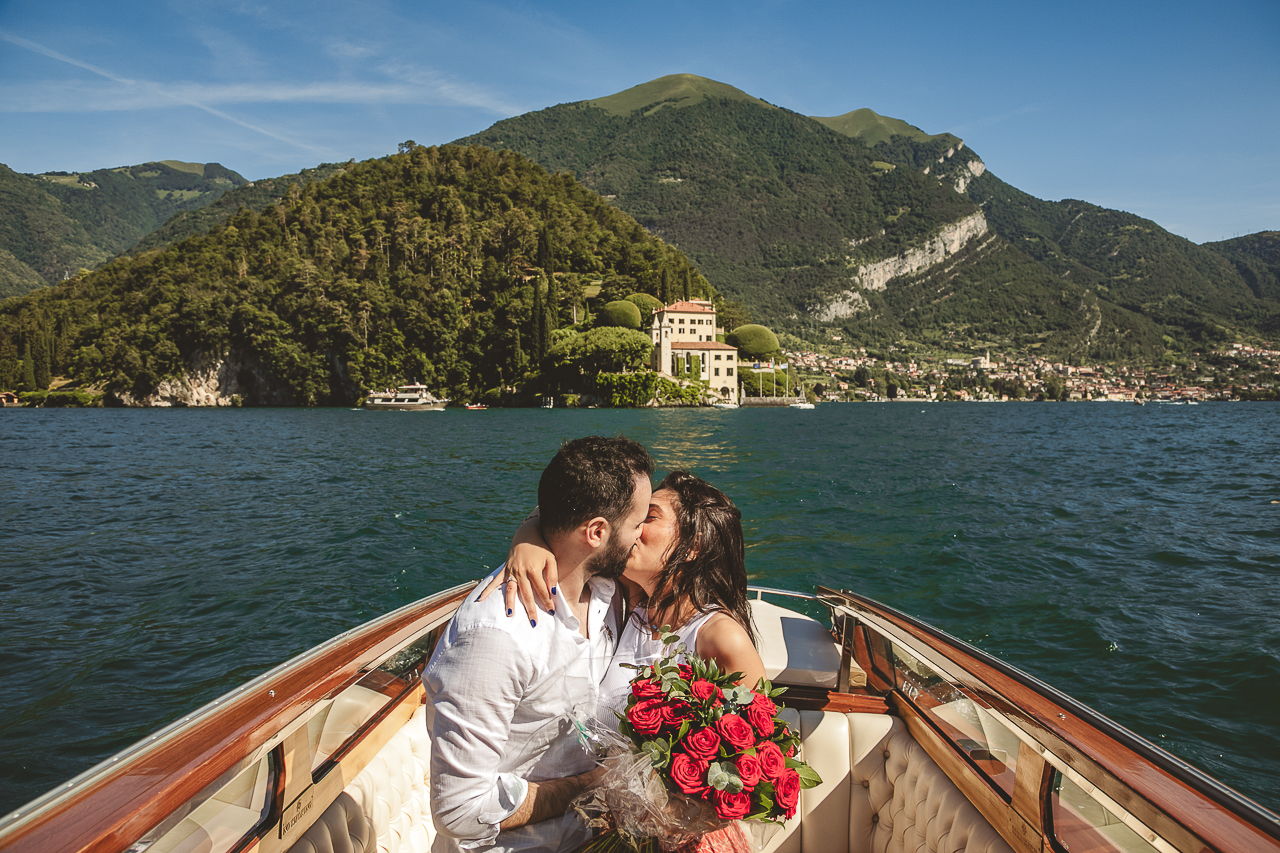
(405,398)
(801,405)
(922,742)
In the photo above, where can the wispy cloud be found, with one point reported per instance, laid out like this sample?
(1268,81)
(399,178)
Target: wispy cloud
(400,83)
(155,91)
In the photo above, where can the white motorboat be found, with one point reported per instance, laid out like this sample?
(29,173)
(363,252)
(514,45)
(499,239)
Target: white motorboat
(801,405)
(405,398)
(923,743)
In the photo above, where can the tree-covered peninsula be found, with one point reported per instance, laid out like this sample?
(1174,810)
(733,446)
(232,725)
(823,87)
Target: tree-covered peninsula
(460,267)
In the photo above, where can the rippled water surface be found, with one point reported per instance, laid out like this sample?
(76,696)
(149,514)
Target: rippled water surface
(152,560)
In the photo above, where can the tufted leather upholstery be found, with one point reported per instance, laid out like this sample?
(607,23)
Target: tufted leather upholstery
(880,793)
(342,828)
(392,791)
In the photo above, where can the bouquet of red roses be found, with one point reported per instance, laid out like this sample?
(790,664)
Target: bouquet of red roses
(705,750)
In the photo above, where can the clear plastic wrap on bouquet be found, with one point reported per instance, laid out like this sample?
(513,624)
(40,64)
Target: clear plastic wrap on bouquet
(632,799)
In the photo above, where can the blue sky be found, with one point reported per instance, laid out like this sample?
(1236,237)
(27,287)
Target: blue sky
(1170,110)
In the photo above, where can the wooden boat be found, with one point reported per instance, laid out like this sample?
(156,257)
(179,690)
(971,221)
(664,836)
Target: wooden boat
(406,398)
(923,744)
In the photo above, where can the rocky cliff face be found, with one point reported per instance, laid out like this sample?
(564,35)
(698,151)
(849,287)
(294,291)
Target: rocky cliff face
(973,169)
(213,380)
(876,276)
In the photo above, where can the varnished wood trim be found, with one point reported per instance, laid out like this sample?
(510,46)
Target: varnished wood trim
(1182,815)
(110,812)
(1031,776)
(972,785)
(857,701)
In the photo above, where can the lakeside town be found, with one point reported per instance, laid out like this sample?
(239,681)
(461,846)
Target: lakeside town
(1236,372)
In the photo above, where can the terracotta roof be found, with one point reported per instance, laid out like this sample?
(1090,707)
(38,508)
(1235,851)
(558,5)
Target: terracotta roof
(690,306)
(701,345)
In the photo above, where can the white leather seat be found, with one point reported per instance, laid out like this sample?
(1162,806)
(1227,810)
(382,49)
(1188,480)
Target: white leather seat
(392,790)
(880,793)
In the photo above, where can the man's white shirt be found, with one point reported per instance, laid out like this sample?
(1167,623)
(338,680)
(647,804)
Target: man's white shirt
(500,696)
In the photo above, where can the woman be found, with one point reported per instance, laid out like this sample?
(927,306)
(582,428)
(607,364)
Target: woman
(687,572)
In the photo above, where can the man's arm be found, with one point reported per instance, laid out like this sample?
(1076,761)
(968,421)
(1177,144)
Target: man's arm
(473,688)
(550,798)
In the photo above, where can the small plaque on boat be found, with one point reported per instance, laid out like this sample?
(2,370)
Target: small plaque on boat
(293,818)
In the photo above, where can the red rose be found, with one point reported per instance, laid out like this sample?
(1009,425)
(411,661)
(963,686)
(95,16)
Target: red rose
(646,689)
(675,713)
(772,762)
(686,672)
(702,743)
(647,716)
(731,806)
(703,690)
(761,712)
(689,774)
(748,771)
(786,790)
(736,731)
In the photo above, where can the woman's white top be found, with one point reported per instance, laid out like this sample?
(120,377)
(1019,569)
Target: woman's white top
(637,646)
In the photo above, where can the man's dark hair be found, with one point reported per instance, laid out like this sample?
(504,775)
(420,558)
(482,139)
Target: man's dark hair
(590,477)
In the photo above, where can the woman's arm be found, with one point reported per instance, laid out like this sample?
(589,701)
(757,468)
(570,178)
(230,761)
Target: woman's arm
(532,567)
(726,642)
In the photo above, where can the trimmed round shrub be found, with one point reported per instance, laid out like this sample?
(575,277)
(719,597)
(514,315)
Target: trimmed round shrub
(620,313)
(646,303)
(753,340)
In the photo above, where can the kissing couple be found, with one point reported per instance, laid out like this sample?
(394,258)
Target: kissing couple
(612,560)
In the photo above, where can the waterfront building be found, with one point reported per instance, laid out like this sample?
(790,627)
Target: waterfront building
(684,335)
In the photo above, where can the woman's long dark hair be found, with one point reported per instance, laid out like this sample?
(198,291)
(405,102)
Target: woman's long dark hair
(707,565)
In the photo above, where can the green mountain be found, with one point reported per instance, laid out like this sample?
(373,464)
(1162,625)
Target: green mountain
(1257,259)
(769,203)
(55,224)
(452,266)
(869,225)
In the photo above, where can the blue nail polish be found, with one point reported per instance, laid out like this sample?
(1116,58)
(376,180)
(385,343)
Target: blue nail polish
(553,590)
(534,624)
(510,611)
(552,612)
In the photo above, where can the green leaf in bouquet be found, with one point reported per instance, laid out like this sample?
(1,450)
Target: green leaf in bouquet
(722,776)
(808,776)
(684,730)
(739,695)
(658,751)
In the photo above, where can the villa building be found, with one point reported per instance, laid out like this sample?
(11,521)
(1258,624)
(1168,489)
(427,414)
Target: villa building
(684,334)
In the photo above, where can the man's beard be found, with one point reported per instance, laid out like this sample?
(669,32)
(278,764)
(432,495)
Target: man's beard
(611,562)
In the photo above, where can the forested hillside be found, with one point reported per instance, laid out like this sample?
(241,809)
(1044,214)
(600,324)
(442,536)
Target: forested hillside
(53,225)
(451,265)
(1257,259)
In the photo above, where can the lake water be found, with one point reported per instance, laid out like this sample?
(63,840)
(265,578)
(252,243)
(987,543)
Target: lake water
(1127,555)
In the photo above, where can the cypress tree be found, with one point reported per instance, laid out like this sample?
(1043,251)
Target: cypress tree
(688,285)
(664,292)
(40,359)
(28,369)
(539,320)
(553,305)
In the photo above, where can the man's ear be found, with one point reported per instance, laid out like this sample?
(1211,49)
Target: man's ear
(597,531)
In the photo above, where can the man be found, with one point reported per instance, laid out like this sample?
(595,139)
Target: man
(504,761)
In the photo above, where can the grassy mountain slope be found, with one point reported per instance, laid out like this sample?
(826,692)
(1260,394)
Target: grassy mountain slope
(766,201)
(872,128)
(674,90)
(59,222)
(414,266)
